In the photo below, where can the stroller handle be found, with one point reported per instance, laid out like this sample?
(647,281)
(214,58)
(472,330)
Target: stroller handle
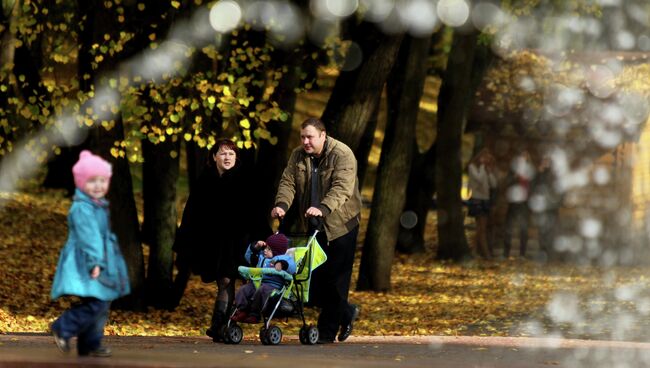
(317,223)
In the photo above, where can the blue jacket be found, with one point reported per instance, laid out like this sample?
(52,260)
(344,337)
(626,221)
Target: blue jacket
(256,258)
(90,243)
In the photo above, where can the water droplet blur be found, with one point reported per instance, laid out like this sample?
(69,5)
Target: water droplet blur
(601,175)
(527,84)
(485,15)
(408,219)
(333,8)
(590,228)
(353,57)
(321,30)
(644,43)
(625,40)
(392,24)
(283,20)
(453,13)
(564,307)
(419,17)
(377,10)
(560,100)
(600,81)
(225,16)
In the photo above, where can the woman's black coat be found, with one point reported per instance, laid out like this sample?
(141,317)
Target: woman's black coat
(214,232)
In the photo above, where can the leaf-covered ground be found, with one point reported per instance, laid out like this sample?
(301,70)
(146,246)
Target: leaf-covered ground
(504,298)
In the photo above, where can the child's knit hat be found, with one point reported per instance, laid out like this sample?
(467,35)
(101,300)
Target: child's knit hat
(90,165)
(278,243)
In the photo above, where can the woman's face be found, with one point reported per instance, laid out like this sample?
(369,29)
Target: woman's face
(225,159)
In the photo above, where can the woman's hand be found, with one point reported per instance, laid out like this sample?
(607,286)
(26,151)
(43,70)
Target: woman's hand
(94,273)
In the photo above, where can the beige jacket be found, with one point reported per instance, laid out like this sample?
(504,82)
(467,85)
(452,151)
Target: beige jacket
(339,195)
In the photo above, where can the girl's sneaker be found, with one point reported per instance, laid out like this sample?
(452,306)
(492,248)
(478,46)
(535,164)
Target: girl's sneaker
(62,343)
(100,352)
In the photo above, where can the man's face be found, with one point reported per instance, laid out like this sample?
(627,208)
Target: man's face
(313,140)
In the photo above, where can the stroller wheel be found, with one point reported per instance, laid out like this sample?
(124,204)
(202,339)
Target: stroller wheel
(308,335)
(234,334)
(274,335)
(263,337)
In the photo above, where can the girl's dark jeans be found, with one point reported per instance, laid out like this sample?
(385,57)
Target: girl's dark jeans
(86,321)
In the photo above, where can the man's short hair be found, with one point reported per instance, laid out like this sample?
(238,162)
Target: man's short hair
(315,122)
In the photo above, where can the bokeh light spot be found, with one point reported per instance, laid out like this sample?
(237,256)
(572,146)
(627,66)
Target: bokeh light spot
(225,16)
(453,13)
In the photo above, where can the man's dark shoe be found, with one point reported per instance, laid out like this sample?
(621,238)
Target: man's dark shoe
(346,329)
(324,340)
(100,352)
(214,333)
(62,343)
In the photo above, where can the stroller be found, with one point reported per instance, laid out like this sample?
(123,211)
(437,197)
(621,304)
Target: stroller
(286,302)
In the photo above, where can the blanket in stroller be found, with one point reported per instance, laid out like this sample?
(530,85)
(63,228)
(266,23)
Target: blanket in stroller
(307,254)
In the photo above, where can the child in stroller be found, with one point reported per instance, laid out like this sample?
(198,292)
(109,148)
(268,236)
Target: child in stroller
(286,301)
(270,253)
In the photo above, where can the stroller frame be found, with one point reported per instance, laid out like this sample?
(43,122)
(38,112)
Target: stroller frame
(271,334)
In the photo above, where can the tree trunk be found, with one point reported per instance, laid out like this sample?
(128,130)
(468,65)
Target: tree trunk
(365,145)
(124,218)
(354,96)
(405,87)
(419,200)
(272,159)
(159,177)
(453,106)
(96,21)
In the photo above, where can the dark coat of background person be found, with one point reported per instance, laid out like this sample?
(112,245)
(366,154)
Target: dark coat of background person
(215,228)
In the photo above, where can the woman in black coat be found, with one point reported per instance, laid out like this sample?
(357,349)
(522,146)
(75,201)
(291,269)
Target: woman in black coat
(212,238)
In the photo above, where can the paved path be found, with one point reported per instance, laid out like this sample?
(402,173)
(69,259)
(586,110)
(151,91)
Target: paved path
(24,350)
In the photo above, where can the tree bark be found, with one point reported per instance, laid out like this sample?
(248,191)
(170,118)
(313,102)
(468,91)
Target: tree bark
(365,144)
(405,87)
(159,175)
(124,218)
(96,21)
(419,199)
(453,106)
(272,159)
(354,96)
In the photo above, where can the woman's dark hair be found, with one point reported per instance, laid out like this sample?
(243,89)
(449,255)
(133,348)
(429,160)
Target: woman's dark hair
(225,143)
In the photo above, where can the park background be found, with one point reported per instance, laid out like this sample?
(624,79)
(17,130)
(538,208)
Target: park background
(152,84)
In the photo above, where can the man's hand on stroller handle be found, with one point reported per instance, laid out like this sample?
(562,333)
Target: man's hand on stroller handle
(277,212)
(313,212)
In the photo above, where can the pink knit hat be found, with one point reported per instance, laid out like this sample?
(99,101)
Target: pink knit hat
(90,165)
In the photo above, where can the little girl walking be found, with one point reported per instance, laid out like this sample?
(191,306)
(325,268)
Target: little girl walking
(91,265)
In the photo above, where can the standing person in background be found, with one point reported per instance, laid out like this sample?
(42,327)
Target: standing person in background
(91,265)
(212,237)
(545,201)
(482,179)
(517,192)
(321,177)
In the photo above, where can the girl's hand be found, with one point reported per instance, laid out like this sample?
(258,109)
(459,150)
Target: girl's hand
(260,244)
(94,273)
